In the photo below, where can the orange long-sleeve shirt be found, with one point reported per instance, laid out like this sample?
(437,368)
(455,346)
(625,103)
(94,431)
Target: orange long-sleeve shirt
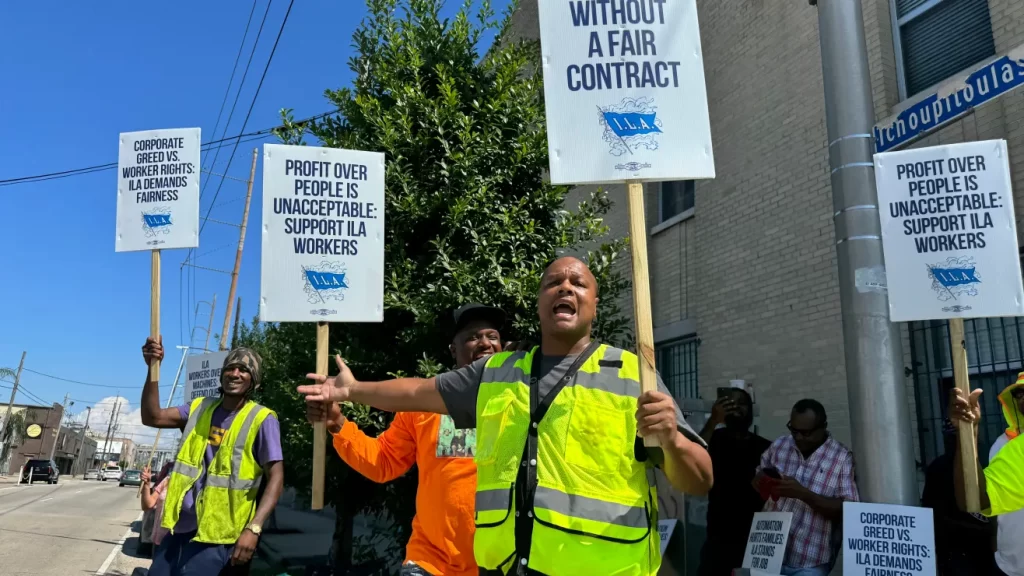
(442,530)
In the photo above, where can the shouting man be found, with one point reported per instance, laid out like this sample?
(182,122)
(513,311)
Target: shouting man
(228,445)
(564,485)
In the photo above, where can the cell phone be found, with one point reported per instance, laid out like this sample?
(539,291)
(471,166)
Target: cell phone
(772,472)
(723,391)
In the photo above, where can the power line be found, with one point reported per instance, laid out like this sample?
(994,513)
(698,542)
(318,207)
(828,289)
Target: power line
(241,84)
(255,96)
(88,169)
(81,383)
(234,69)
(190,257)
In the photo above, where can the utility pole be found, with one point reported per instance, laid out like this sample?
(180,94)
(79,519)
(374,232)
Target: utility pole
(879,415)
(238,254)
(209,326)
(110,426)
(238,314)
(81,441)
(10,403)
(60,425)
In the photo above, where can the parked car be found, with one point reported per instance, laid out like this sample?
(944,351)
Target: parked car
(40,470)
(131,478)
(111,473)
(92,474)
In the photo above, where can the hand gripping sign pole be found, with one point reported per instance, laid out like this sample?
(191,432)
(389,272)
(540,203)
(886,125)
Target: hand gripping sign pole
(949,236)
(170,400)
(322,261)
(965,430)
(625,102)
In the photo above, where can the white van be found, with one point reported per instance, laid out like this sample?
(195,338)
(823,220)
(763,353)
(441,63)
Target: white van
(111,472)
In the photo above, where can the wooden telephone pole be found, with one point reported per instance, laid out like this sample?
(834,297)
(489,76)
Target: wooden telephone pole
(238,253)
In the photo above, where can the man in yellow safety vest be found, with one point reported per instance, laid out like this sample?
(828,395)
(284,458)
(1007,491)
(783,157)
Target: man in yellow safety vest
(564,484)
(1001,485)
(228,445)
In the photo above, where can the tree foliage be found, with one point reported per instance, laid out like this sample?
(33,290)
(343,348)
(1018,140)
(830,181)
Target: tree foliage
(469,215)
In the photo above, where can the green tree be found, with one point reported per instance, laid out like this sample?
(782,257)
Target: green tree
(470,217)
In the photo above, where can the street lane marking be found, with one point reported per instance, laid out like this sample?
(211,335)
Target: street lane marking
(45,499)
(78,492)
(117,548)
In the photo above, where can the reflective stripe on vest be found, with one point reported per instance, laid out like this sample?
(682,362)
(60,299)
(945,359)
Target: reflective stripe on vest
(227,500)
(594,504)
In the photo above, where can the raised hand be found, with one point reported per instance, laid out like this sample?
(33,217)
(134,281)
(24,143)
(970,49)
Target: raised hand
(964,408)
(326,389)
(153,350)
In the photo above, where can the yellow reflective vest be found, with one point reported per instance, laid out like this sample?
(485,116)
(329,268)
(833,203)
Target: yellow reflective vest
(587,505)
(227,501)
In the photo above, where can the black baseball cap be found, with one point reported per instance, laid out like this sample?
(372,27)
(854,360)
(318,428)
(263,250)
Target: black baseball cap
(473,312)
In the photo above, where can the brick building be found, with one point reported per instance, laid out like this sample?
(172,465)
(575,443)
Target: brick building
(744,280)
(40,434)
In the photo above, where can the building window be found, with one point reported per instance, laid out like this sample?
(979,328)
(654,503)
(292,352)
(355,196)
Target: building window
(674,198)
(935,39)
(677,364)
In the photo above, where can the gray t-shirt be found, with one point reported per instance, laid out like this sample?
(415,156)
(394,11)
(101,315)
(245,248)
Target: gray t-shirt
(459,390)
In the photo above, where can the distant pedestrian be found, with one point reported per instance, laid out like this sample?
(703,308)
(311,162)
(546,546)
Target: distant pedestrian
(152,496)
(735,454)
(809,473)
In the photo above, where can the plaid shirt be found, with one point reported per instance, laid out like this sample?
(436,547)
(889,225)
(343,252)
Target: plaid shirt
(828,472)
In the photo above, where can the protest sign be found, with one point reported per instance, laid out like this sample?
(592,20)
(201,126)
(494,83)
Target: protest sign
(766,543)
(202,375)
(624,91)
(625,101)
(949,233)
(158,190)
(887,540)
(323,235)
(323,248)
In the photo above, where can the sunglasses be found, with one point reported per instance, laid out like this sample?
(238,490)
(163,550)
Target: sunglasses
(804,433)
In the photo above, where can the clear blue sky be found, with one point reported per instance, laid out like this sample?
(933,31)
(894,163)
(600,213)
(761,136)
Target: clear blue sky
(74,76)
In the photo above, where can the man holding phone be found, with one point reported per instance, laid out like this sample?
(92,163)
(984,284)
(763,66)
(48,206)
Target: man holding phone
(809,473)
(732,502)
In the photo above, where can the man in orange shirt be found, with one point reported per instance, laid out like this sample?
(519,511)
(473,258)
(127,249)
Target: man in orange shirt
(442,531)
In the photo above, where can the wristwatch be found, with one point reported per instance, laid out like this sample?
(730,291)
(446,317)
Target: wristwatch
(254,528)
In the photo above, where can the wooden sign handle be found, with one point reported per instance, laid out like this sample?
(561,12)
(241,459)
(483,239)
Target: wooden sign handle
(319,429)
(154,311)
(968,444)
(641,293)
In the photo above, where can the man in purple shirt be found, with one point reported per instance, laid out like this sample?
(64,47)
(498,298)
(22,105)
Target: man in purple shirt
(178,553)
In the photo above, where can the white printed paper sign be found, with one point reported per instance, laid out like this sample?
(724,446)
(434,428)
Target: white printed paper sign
(158,190)
(665,529)
(323,235)
(884,539)
(766,543)
(624,91)
(202,375)
(948,232)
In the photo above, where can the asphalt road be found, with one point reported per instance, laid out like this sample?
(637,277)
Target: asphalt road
(72,528)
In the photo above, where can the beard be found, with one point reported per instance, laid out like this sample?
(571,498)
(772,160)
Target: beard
(734,422)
